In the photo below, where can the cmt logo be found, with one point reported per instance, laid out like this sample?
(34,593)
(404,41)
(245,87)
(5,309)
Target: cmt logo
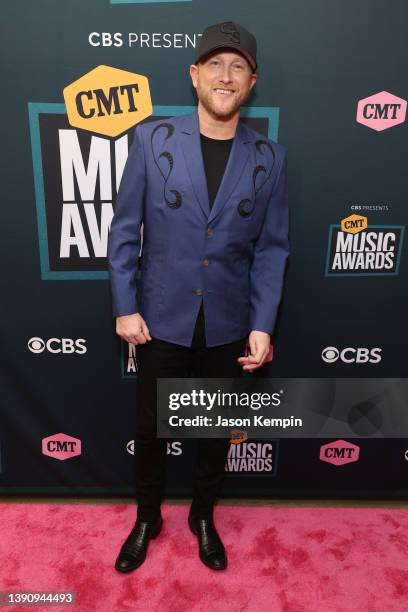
(381,111)
(108,100)
(339,452)
(61,447)
(354,224)
(57,345)
(331,354)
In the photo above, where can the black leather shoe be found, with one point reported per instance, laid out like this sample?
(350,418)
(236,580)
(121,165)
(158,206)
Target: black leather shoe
(134,549)
(211,548)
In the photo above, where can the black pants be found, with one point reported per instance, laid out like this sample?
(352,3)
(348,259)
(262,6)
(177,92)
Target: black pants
(159,359)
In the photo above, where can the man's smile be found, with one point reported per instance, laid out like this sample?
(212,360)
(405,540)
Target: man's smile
(224,92)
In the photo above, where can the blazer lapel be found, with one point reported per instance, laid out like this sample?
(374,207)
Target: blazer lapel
(233,171)
(191,145)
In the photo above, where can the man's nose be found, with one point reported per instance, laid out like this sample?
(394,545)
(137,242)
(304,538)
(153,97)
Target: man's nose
(225,75)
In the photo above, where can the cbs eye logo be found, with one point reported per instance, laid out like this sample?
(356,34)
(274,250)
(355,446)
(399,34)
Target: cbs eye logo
(36,345)
(172,448)
(330,354)
(57,345)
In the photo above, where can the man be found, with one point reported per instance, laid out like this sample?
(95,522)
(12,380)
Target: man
(211,194)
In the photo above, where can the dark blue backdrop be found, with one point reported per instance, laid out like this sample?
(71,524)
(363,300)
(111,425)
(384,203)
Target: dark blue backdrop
(316,61)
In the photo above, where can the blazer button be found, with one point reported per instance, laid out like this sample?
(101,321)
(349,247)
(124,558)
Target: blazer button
(206,263)
(210,232)
(199,292)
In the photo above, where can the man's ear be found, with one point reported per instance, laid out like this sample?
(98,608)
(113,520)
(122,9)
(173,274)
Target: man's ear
(254,77)
(194,74)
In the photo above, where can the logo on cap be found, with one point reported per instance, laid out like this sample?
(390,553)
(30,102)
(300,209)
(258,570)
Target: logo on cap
(228,28)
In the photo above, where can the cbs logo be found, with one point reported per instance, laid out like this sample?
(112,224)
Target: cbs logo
(57,345)
(105,39)
(331,354)
(172,448)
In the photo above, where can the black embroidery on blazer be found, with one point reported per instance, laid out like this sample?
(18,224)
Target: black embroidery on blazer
(246,206)
(166,155)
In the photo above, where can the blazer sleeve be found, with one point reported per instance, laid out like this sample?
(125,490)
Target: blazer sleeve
(271,251)
(125,232)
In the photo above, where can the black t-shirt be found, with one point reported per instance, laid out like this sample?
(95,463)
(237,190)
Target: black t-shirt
(215,156)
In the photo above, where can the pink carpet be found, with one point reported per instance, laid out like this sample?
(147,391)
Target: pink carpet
(280,559)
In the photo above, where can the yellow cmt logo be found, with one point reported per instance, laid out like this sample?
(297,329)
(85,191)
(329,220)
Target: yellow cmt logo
(108,101)
(354,224)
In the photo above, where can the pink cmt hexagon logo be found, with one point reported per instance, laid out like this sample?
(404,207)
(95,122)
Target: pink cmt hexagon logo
(339,452)
(381,111)
(60,446)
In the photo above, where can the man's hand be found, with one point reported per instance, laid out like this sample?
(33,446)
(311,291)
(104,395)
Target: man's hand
(133,329)
(259,343)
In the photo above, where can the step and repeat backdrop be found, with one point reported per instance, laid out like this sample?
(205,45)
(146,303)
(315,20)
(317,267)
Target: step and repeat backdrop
(332,88)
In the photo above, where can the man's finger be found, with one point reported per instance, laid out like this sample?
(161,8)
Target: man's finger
(248,360)
(251,367)
(255,358)
(134,338)
(251,364)
(140,337)
(257,351)
(145,331)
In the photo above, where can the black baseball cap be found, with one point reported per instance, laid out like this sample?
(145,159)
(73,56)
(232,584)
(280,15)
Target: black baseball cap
(228,34)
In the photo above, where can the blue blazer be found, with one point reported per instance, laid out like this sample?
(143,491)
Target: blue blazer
(232,256)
